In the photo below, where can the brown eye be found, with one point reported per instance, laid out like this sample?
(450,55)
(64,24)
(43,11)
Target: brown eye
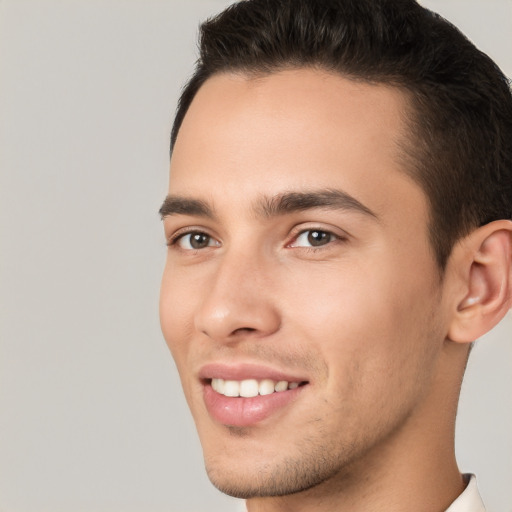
(313,238)
(317,238)
(195,241)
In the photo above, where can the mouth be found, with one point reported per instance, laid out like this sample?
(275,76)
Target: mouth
(233,400)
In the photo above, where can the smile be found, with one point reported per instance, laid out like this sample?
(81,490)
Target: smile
(250,388)
(244,395)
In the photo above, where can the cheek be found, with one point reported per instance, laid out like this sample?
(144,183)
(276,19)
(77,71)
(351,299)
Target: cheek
(376,343)
(176,319)
(371,324)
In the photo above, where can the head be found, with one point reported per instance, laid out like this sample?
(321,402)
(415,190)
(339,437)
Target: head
(339,227)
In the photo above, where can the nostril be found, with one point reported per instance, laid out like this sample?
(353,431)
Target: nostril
(244,330)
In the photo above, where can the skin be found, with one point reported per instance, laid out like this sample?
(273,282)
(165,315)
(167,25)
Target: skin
(364,318)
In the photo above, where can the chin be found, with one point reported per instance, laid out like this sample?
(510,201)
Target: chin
(247,479)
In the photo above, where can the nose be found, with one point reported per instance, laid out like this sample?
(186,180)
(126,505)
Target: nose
(239,302)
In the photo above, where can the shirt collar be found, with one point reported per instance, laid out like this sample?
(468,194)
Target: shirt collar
(469,500)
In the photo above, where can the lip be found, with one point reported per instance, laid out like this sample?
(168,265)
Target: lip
(246,371)
(245,412)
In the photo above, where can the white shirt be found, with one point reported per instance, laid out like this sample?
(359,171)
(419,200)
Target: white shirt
(469,500)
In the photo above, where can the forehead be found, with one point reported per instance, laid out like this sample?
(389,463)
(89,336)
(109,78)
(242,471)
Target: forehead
(295,129)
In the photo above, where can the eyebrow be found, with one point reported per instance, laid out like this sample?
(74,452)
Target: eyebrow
(280,204)
(178,205)
(332,199)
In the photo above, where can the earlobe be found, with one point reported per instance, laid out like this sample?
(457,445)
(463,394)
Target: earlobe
(486,260)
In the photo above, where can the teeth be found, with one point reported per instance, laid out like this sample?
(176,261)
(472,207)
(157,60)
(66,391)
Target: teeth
(250,388)
(267,387)
(282,385)
(231,388)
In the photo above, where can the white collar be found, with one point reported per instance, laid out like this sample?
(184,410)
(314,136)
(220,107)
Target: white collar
(469,500)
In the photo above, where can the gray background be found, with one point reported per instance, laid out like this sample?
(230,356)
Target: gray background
(91,412)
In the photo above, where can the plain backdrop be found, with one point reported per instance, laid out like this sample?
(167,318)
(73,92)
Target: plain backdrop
(91,411)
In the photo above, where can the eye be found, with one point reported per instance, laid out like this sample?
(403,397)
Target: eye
(194,241)
(313,238)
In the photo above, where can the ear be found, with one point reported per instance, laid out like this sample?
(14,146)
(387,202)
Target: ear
(484,271)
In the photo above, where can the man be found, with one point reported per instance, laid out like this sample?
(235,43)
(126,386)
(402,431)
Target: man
(339,231)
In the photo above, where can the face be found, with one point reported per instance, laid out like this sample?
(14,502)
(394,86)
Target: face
(300,299)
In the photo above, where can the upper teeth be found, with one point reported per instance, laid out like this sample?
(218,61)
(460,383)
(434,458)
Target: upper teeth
(251,387)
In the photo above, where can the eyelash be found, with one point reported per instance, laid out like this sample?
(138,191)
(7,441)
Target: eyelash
(333,238)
